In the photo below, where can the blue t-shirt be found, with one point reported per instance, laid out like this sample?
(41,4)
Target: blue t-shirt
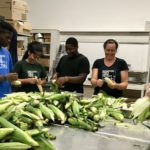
(5,68)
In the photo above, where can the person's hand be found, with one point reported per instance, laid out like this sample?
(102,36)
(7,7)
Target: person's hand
(148,90)
(61,80)
(100,82)
(12,77)
(112,85)
(39,81)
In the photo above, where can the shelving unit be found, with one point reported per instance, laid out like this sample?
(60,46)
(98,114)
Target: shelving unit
(50,40)
(22,42)
(134,47)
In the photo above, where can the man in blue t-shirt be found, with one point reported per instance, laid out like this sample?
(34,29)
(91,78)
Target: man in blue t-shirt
(6,32)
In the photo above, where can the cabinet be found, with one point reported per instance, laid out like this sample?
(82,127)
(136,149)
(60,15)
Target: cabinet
(134,47)
(50,40)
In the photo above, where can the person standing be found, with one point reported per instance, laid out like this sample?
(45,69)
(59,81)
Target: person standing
(147,93)
(30,72)
(72,68)
(111,67)
(6,65)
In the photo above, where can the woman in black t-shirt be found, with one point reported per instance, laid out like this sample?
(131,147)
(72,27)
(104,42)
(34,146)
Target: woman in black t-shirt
(30,72)
(112,67)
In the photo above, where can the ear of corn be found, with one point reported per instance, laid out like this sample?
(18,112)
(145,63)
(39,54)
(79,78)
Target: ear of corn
(5,131)
(48,113)
(40,88)
(117,115)
(79,123)
(35,132)
(44,144)
(108,81)
(30,115)
(75,108)
(4,106)
(9,112)
(14,146)
(36,111)
(54,86)
(16,83)
(26,119)
(58,113)
(18,134)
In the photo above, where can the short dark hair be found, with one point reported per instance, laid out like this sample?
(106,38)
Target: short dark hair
(110,41)
(6,27)
(72,41)
(33,47)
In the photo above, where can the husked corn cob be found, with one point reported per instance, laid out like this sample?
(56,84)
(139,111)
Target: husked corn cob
(108,81)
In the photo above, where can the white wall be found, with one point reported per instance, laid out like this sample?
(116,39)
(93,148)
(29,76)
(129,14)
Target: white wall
(89,15)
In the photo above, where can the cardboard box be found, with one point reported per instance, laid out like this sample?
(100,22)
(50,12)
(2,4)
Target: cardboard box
(47,40)
(27,26)
(18,25)
(46,35)
(13,9)
(14,4)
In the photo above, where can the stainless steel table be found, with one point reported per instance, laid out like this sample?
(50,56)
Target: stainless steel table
(111,137)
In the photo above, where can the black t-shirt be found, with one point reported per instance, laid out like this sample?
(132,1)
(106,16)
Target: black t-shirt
(27,70)
(113,72)
(73,66)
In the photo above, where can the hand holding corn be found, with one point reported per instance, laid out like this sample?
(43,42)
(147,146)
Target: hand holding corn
(61,80)
(100,82)
(111,84)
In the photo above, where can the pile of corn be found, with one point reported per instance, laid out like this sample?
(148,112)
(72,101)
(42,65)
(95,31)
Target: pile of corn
(23,116)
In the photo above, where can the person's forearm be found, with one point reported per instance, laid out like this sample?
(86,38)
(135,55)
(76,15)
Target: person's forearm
(94,82)
(76,79)
(43,82)
(2,78)
(121,86)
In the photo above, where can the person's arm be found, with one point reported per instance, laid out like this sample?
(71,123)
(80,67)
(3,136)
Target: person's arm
(28,81)
(147,93)
(69,79)
(55,76)
(10,77)
(94,78)
(124,81)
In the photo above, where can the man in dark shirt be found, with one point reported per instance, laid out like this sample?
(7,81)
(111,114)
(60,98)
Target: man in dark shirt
(72,68)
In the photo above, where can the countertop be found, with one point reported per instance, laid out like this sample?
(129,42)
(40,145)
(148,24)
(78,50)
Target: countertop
(110,137)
